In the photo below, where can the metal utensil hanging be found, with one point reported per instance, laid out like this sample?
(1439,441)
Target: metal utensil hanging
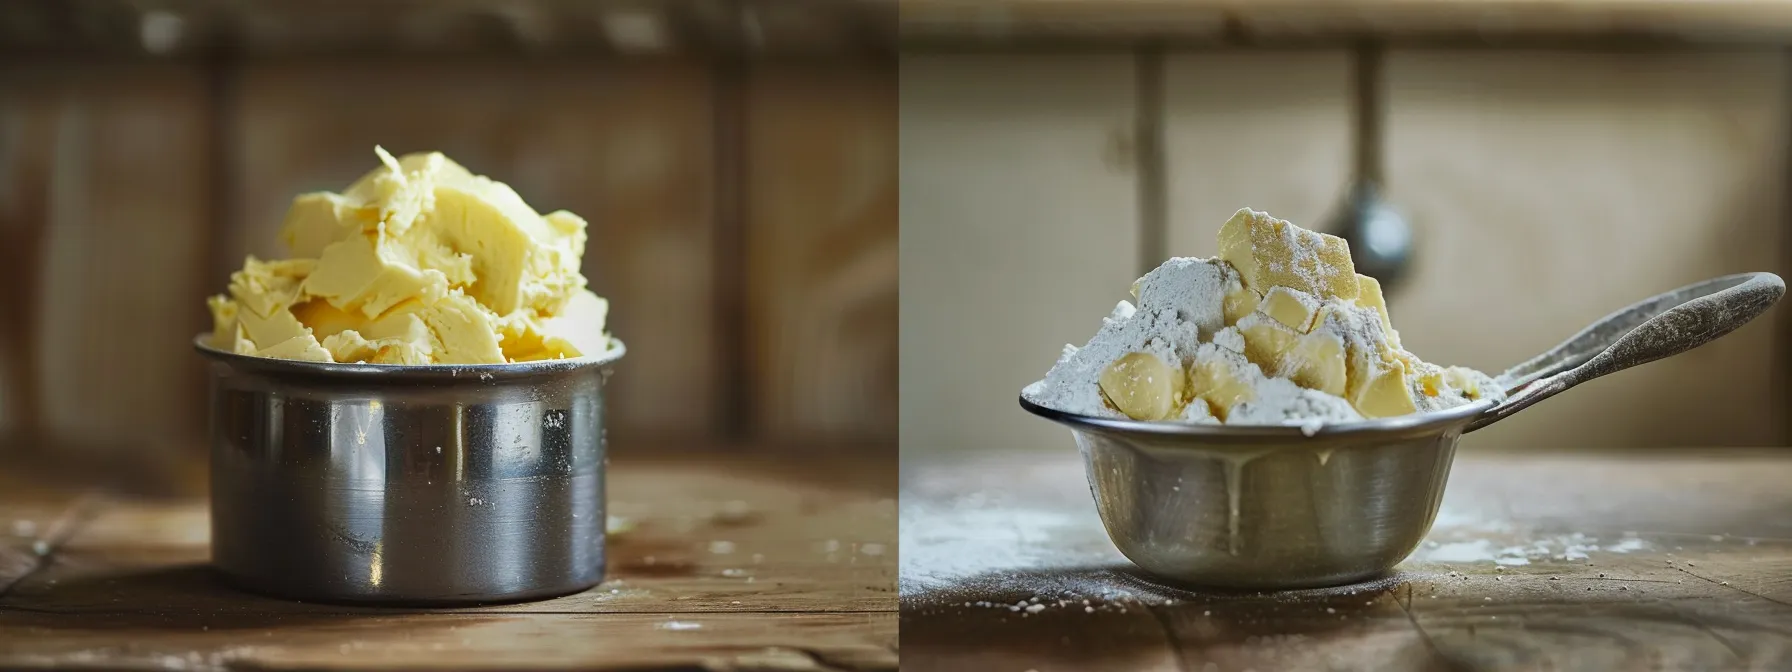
(1380,239)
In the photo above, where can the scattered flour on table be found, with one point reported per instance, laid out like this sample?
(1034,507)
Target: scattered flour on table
(1459,539)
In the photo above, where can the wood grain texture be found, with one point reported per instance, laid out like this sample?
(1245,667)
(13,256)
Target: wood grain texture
(1265,130)
(728,563)
(821,236)
(932,21)
(626,145)
(1019,232)
(122,196)
(1536,561)
(1547,189)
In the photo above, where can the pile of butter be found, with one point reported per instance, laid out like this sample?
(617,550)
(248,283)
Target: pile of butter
(418,262)
(1279,329)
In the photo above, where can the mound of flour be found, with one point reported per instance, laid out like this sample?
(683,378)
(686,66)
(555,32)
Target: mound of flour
(1181,319)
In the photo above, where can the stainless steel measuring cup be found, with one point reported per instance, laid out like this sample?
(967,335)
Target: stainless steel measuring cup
(408,484)
(1269,507)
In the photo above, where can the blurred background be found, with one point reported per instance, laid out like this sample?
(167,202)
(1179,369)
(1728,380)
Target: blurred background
(736,160)
(1554,161)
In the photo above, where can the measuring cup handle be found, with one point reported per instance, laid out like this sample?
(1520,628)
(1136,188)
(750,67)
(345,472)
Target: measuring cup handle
(1661,326)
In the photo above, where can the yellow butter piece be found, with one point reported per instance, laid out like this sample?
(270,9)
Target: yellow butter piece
(1293,308)
(1269,252)
(301,347)
(243,346)
(1369,296)
(371,273)
(466,331)
(522,258)
(1265,341)
(351,346)
(1142,386)
(224,324)
(272,329)
(317,219)
(1239,303)
(1216,382)
(268,287)
(325,320)
(579,328)
(1378,386)
(417,262)
(1317,362)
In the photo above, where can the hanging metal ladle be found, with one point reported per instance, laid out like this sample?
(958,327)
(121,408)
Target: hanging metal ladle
(1380,239)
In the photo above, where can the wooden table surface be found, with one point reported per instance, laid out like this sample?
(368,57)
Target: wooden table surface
(1536,562)
(733,562)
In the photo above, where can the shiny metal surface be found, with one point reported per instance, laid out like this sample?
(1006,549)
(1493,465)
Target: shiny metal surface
(1272,507)
(1660,326)
(408,484)
(1381,243)
(1267,507)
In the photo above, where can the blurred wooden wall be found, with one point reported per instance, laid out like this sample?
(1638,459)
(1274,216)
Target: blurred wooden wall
(743,224)
(1546,188)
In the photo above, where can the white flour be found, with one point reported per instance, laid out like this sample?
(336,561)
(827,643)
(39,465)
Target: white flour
(1181,320)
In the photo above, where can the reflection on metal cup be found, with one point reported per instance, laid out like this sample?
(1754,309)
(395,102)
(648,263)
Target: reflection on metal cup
(408,484)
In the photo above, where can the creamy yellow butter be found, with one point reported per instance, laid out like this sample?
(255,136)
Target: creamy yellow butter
(1143,387)
(418,262)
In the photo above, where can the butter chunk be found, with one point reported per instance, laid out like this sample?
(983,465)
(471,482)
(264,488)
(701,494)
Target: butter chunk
(224,321)
(1142,386)
(419,261)
(274,328)
(302,347)
(1369,296)
(1378,385)
(1217,382)
(466,330)
(1269,252)
(1239,303)
(1293,308)
(317,219)
(267,287)
(243,345)
(1317,362)
(369,274)
(351,346)
(325,320)
(1265,340)
(577,331)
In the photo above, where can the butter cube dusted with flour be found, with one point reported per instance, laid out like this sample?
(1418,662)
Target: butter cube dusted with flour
(1143,386)
(1295,309)
(1270,252)
(1279,329)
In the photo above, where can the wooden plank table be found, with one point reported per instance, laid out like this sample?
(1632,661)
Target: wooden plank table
(1536,562)
(729,561)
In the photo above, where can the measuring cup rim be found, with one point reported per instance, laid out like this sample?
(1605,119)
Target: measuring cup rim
(1430,422)
(470,372)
